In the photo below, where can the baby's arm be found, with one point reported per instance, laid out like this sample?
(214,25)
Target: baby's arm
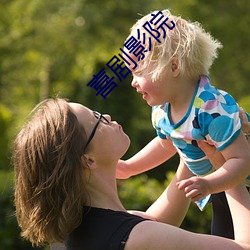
(171,207)
(153,154)
(233,172)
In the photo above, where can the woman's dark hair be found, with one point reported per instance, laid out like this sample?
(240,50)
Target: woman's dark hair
(49,180)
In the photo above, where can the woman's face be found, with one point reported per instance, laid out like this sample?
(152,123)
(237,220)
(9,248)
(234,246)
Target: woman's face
(109,140)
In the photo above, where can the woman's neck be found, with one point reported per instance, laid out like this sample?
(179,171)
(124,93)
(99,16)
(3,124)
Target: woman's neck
(102,189)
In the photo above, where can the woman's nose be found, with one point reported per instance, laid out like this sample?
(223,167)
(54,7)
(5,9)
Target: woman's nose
(108,117)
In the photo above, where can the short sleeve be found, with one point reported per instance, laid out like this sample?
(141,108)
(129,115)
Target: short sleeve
(159,121)
(219,120)
(162,136)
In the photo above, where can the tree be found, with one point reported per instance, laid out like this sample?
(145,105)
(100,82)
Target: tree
(50,48)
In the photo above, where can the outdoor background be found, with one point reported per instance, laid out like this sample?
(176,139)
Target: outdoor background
(52,47)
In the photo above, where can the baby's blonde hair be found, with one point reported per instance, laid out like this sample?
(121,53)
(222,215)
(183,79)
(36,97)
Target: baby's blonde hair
(187,41)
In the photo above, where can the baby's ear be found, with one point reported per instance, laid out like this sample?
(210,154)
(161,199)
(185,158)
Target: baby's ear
(175,66)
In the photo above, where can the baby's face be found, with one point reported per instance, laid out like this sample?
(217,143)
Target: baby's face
(154,93)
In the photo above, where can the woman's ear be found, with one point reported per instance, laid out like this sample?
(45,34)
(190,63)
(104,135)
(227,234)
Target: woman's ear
(175,66)
(89,161)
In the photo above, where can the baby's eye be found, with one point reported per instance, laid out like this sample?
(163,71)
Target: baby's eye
(137,73)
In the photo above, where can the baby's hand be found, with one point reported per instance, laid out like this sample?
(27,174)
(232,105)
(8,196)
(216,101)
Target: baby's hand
(195,187)
(122,170)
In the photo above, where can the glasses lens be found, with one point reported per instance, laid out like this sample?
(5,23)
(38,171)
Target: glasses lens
(99,116)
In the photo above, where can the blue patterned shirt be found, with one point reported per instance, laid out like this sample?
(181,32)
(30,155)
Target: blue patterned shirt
(213,115)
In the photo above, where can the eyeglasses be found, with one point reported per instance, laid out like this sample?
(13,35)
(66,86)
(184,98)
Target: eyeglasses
(100,118)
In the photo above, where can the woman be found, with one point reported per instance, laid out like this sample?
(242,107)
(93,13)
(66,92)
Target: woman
(65,166)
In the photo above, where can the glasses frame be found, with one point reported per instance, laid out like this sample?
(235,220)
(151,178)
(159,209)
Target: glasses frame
(100,118)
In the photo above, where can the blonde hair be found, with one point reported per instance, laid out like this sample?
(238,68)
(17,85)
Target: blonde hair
(194,48)
(49,186)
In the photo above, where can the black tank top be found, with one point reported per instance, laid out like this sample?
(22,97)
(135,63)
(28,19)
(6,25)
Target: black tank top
(102,229)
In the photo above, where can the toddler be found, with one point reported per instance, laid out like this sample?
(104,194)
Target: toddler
(172,75)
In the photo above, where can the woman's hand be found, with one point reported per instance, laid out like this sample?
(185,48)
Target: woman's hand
(245,124)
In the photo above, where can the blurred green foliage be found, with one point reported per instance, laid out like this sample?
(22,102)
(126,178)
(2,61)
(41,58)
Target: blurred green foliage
(50,48)
(139,192)
(9,231)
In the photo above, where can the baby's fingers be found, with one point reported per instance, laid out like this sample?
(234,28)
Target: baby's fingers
(184,183)
(194,195)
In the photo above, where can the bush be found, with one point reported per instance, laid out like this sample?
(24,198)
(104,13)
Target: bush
(139,192)
(136,193)
(5,124)
(9,231)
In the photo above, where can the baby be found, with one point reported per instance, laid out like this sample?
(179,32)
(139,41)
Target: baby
(172,74)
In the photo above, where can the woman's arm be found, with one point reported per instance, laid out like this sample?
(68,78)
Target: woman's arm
(239,203)
(160,236)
